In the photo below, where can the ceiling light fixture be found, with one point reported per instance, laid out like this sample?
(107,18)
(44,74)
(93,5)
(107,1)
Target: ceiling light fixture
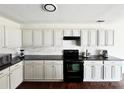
(100,21)
(49,7)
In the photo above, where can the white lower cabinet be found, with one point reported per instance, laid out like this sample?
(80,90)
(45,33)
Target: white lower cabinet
(102,71)
(16,75)
(54,70)
(43,70)
(93,71)
(4,79)
(112,70)
(33,70)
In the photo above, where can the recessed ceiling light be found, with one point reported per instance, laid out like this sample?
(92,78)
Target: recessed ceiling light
(49,7)
(100,21)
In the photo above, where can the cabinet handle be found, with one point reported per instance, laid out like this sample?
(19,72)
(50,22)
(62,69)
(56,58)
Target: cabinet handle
(112,72)
(92,72)
(102,76)
(121,72)
(104,72)
(16,65)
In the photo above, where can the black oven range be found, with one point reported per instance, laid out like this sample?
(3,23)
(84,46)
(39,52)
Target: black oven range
(73,67)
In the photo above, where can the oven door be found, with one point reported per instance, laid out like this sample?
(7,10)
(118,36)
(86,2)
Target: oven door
(73,71)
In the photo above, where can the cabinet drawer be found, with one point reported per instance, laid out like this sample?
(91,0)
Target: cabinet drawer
(4,72)
(51,62)
(20,64)
(93,62)
(113,62)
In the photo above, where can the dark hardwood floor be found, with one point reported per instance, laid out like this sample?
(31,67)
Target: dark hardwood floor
(63,85)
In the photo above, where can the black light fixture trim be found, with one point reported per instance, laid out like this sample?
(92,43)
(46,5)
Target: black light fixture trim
(100,21)
(45,7)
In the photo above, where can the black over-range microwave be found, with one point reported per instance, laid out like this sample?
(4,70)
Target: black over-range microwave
(5,59)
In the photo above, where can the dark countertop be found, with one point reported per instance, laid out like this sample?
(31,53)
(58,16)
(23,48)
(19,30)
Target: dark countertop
(15,60)
(60,57)
(56,57)
(43,57)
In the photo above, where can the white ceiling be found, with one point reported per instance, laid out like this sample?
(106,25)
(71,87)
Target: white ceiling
(65,13)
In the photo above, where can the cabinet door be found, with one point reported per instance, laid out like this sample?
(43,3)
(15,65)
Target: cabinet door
(4,79)
(68,32)
(76,32)
(87,73)
(28,70)
(37,38)
(33,70)
(48,38)
(27,38)
(49,71)
(38,70)
(58,68)
(107,72)
(12,37)
(58,38)
(102,37)
(84,37)
(116,72)
(92,37)
(4,82)
(1,36)
(112,71)
(16,77)
(110,37)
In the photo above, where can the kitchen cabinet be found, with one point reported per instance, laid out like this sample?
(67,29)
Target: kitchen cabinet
(37,38)
(12,37)
(4,79)
(84,38)
(102,37)
(27,38)
(109,37)
(33,70)
(16,75)
(58,38)
(48,38)
(92,37)
(76,32)
(2,36)
(68,32)
(112,71)
(71,32)
(43,70)
(53,70)
(93,71)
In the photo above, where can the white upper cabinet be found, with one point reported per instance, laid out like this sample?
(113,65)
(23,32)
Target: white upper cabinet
(48,38)
(58,38)
(101,37)
(37,38)
(1,36)
(84,38)
(110,37)
(27,38)
(92,37)
(12,37)
(68,32)
(76,32)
